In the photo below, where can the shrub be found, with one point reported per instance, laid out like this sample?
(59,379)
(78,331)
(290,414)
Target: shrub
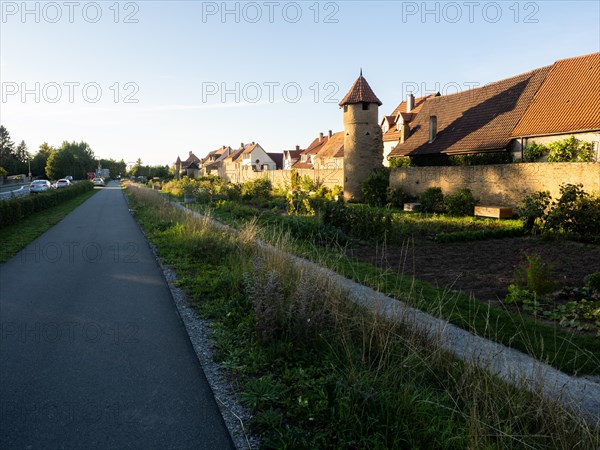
(478,159)
(231,192)
(16,209)
(533,209)
(576,212)
(308,184)
(592,281)
(336,191)
(397,197)
(570,150)
(256,189)
(534,152)
(334,214)
(432,200)
(461,203)
(298,203)
(359,221)
(402,161)
(374,188)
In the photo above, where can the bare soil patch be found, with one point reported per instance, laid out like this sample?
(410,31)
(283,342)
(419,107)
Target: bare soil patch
(482,268)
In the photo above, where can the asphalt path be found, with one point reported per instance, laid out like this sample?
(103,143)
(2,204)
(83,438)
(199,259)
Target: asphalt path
(93,353)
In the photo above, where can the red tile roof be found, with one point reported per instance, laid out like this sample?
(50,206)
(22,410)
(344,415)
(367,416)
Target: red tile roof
(302,165)
(334,147)
(567,101)
(476,120)
(393,134)
(360,92)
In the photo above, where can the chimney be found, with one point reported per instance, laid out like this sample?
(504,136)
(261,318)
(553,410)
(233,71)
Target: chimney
(320,137)
(297,147)
(329,133)
(242,145)
(410,102)
(404,132)
(253,142)
(190,153)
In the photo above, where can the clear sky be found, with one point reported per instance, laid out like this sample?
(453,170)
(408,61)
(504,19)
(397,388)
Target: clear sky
(155,79)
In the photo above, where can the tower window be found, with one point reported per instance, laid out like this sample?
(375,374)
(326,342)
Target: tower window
(432,128)
(365,106)
(345,108)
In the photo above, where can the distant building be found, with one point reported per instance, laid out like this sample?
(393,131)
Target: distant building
(190,167)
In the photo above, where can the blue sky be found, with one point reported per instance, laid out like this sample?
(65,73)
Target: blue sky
(153,79)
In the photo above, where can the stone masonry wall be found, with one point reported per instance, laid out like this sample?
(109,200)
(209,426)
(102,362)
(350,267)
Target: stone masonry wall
(328,177)
(499,185)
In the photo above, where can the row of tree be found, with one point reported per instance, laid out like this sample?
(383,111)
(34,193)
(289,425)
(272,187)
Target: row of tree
(71,158)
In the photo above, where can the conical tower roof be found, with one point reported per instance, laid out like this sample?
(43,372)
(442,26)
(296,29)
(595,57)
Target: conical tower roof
(360,92)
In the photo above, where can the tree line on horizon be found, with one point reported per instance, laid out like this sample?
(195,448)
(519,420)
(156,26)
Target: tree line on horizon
(71,158)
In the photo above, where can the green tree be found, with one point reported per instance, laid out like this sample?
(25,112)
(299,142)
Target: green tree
(23,157)
(8,158)
(137,169)
(71,158)
(39,161)
(115,167)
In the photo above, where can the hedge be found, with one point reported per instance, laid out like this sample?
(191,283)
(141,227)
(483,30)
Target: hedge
(14,210)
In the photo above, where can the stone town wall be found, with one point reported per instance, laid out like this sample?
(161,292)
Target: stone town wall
(281,178)
(501,184)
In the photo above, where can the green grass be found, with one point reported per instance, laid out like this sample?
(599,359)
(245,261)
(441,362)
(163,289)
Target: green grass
(571,352)
(317,371)
(15,237)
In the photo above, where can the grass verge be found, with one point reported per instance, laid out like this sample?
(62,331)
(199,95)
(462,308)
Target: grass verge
(319,372)
(568,351)
(17,236)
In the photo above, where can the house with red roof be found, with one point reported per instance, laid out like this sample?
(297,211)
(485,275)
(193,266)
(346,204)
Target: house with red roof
(190,167)
(543,105)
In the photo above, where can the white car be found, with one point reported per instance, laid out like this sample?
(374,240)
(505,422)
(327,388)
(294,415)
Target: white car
(40,186)
(98,181)
(63,183)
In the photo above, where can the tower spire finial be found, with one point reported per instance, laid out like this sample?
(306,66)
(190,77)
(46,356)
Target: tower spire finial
(361,71)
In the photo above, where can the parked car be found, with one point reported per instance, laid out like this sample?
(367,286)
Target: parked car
(39,186)
(63,183)
(98,181)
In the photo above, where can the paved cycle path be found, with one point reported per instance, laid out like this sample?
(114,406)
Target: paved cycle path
(93,353)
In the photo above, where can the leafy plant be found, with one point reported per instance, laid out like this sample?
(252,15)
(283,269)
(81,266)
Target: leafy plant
(374,188)
(461,203)
(535,275)
(533,209)
(534,152)
(570,149)
(397,197)
(592,281)
(402,161)
(257,189)
(478,159)
(432,200)
(308,184)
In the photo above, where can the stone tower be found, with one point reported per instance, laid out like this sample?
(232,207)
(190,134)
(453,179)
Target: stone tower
(363,142)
